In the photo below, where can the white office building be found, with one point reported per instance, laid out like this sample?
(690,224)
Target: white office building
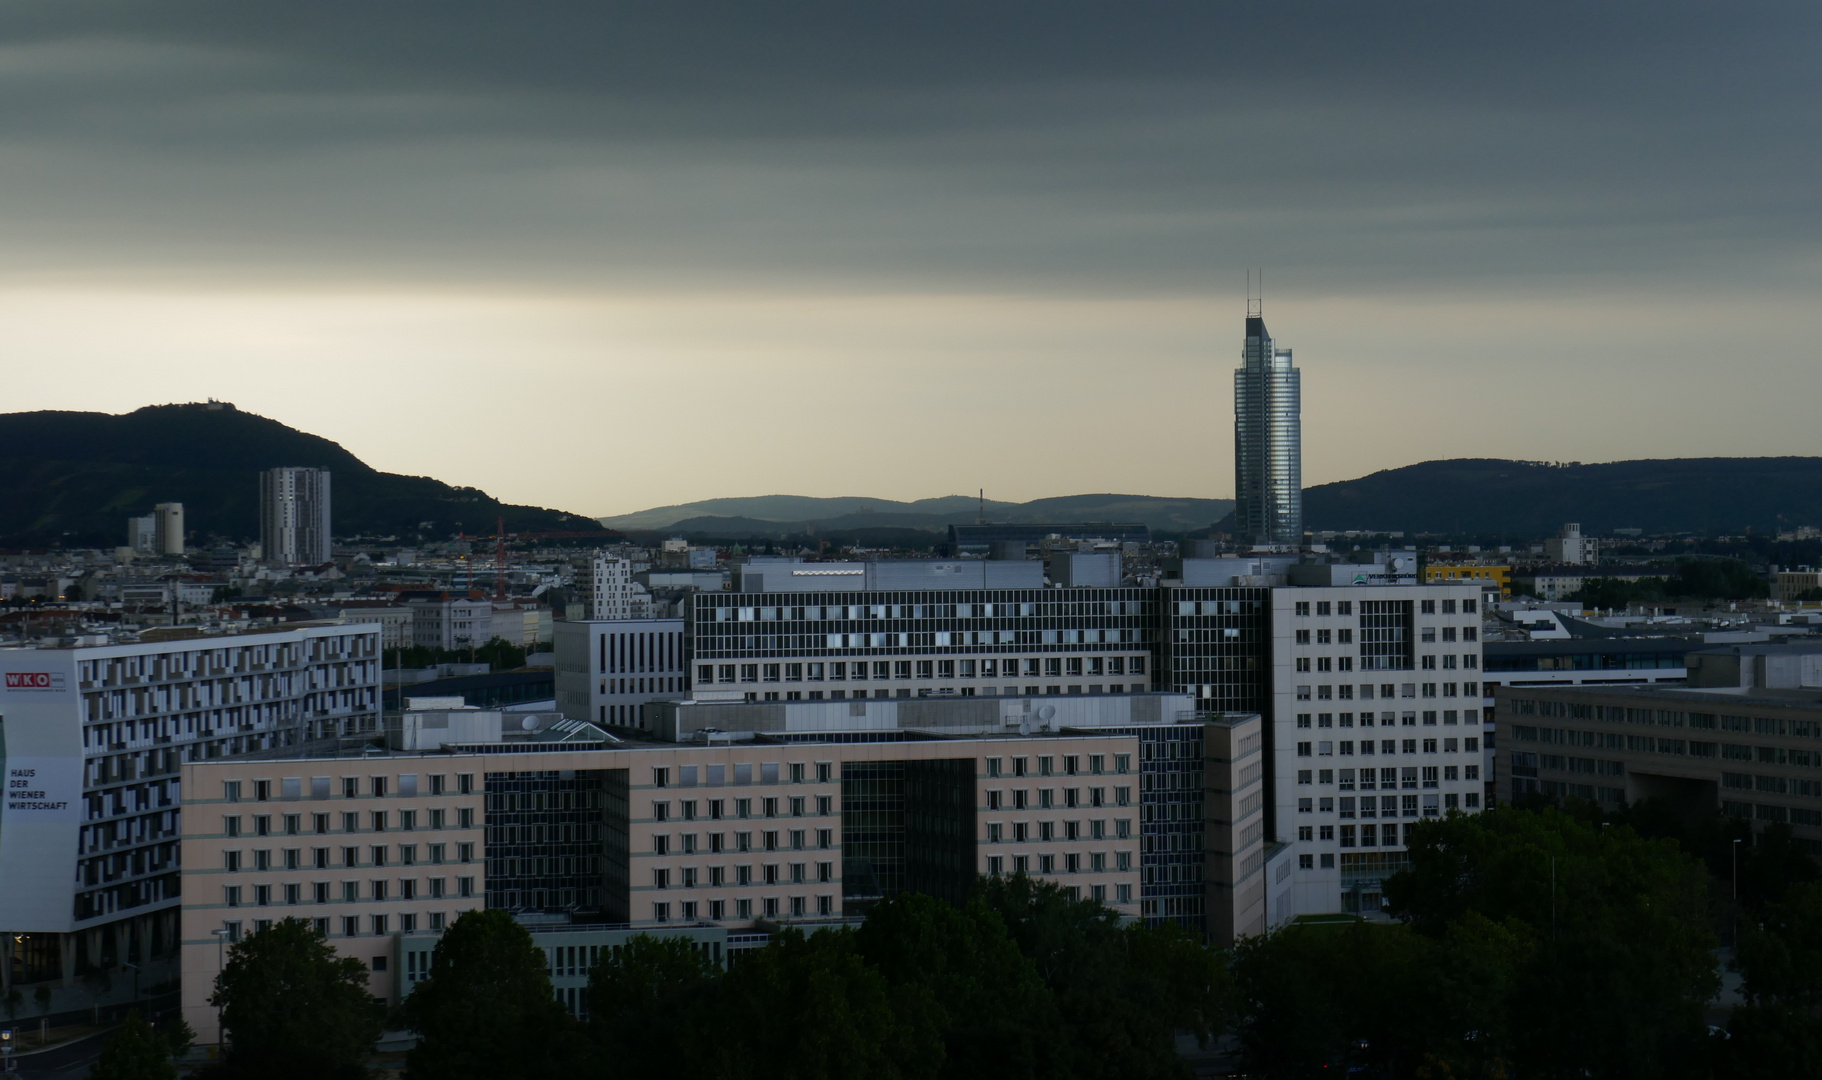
(1571,548)
(294,516)
(451,624)
(613,594)
(1377,720)
(92,740)
(610,671)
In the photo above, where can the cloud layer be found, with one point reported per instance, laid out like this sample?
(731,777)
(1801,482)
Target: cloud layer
(691,239)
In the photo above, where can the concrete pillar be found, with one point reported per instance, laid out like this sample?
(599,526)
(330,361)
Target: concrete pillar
(66,945)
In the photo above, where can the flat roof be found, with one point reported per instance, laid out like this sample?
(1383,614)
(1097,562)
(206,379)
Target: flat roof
(1715,696)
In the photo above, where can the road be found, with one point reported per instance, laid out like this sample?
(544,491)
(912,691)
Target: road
(68,1062)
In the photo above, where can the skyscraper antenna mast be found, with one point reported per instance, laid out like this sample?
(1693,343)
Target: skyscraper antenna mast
(1255,305)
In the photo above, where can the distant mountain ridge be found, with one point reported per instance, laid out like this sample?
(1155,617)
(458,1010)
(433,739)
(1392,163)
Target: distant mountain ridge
(779,516)
(75,477)
(1464,496)
(1530,499)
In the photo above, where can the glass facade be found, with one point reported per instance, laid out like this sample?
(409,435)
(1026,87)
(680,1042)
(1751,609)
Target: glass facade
(1171,885)
(1268,441)
(546,841)
(1386,640)
(940,832)
(1217,645)
(872,832)
(905,643)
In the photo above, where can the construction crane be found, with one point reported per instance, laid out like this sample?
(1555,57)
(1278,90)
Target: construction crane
(499,548)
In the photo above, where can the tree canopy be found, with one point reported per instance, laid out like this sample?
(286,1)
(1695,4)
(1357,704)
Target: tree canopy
(1531,943)
(487,1008)
(135,1052)
(292,1008)
(1020,981)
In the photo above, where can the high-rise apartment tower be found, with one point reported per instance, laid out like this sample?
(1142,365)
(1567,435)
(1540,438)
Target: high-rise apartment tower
(294,515)
(167,526)
(1268,440)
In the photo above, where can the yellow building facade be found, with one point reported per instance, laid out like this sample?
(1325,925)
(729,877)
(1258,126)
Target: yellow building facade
(1443,573)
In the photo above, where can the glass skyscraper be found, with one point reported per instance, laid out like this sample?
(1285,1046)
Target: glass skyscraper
(1268,441)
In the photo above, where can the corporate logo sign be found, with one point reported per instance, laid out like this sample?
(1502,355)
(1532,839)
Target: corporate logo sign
(27,681)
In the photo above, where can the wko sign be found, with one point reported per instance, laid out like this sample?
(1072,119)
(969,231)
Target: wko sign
(34,680)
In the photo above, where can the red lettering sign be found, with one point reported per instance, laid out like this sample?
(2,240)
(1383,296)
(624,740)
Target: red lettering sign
(30,680)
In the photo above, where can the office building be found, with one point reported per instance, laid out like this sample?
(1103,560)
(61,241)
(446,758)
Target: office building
(451,622)
(1268,440)
(93,739)
(1748,751)
(1571,548)
(294,516)
(167,529)
(142,534)
(1574,661)
(613,594)
(1490,574)
(394,620)
(1802,581)
(1375,725)
(610,671)
(759,815)
(795,630)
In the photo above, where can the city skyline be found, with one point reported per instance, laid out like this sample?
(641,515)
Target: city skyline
(572,222)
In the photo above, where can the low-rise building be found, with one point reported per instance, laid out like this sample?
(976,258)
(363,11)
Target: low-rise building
(760,815)
(451,623)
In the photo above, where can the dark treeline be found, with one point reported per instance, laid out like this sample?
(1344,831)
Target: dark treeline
(1692,579)
(1526,942)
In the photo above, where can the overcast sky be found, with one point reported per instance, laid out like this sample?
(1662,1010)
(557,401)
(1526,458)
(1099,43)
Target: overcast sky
(604,257)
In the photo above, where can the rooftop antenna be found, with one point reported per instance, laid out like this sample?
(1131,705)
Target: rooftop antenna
(980,516)
(1255,305)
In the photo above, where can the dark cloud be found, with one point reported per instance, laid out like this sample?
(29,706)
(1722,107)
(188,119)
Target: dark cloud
(1093,146)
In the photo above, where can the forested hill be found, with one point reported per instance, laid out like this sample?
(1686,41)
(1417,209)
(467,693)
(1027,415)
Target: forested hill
(75,477)
(1528,499)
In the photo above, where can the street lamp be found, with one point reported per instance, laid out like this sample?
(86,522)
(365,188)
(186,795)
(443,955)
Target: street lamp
(1736,893)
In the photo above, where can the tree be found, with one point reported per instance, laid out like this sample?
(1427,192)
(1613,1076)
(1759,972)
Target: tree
(135,1052)
(808,1008)
(957,970)
(1435,1006)
(641,999)
(1122,993)
(1619,972)
(1767,1041)
(175,1031)
(1780,957)
(487,1008)
(292,1008)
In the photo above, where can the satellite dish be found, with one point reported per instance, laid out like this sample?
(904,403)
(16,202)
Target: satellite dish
(530,723)
(1024,727)
(1046,712)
